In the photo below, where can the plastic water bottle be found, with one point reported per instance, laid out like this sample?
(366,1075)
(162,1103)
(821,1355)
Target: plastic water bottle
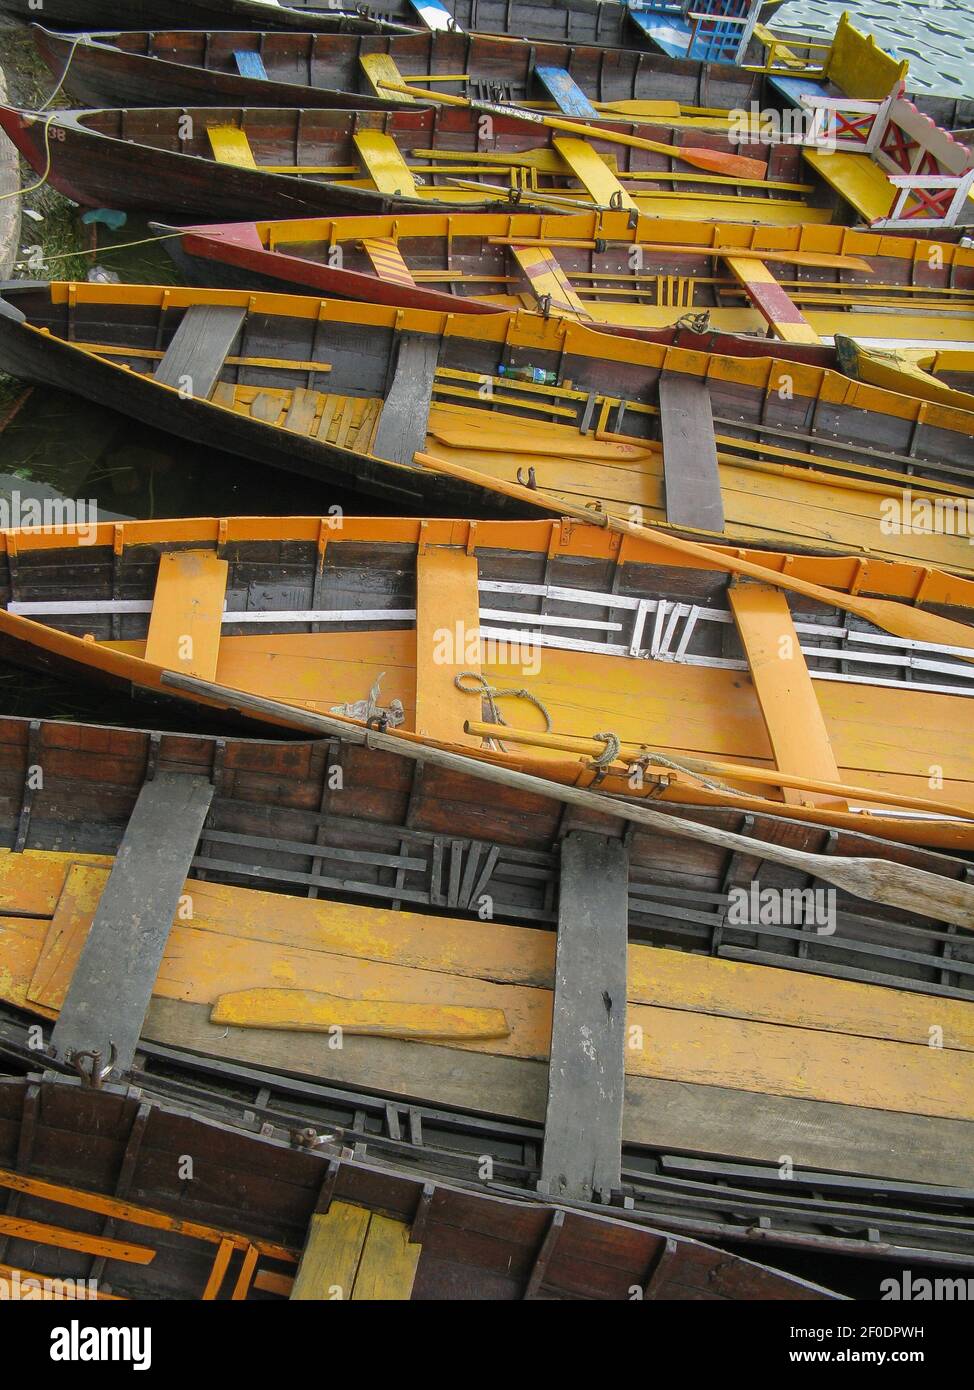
(536,375)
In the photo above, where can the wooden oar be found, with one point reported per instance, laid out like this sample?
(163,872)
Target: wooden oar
(879,880)
(823,259)
(716,161)
(307,1011)
(913,624)
(531,197)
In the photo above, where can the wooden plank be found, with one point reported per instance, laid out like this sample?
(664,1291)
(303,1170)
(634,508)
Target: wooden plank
(857,178)
(221,1264)
(567,94)
(129,1213)
(705,1118)
(250,64)
(402,427)
(199,348)
(66,935)
(435,15)
(386,167)
(379,68)
(305,1010)
(690,471)
(302,411)
(66,1290)
(786,694)
(39,1232)
(231,146)
(112,985)
(387,1269)
(187,612)
(771,301)
(332,1253)
(582,1155)
(593,173)
(447,643)
(387,261)
(548,280)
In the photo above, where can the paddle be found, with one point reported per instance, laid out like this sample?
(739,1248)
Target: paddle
(880,880)
(715,161)
(913,624)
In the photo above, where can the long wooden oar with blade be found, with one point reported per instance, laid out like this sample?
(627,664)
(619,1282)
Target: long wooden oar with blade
(912,624)
(714,161)
(879,880)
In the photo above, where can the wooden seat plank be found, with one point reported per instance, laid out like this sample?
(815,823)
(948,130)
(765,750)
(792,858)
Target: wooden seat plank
(771,301)
(384,162)
(547,279)
(387,1269)
(785,691)
(382,67)
(199,348)
(565,91)
(447,607)
(387,261)
(690,468)
(435,15)
(250,64)
(187,613)
(857,178)
(403,422)
(593,173)
(582,1154)
(230,145)
(112,984)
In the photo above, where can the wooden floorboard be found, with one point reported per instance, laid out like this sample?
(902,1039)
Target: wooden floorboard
(201,344)
(110,990)
(693,495)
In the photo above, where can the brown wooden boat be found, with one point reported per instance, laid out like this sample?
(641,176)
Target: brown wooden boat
(654,277)
(160,67)
(431,412)
(208,163)
(164,66)
(421,625)
(375,868)
(256,14)
(260,1199)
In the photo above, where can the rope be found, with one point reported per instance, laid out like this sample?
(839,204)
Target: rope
(491,694)
(103,250)
(22,192)
(612,745)
(658,759)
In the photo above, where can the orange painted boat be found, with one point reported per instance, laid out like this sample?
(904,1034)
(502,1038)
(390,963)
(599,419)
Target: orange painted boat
(628,665)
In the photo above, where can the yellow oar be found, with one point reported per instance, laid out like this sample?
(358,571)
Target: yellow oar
(913,624)
(307,1011)
(715,161)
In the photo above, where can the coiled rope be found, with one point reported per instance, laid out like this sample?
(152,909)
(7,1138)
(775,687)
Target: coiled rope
(491,694)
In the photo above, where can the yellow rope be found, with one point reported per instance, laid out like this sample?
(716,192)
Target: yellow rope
(22,192)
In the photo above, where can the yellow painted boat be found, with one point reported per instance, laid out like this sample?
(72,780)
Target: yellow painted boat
(800,284)
(432,412)
(550,647)
(942,375)
(243,980)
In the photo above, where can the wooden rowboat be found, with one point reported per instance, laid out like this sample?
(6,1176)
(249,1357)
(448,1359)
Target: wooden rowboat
(240,1232)
(171,67)
(603,270)
(255,14)
(411,624)
(574,21)
(780,1049)
(932,374)
(208,163)
(421,409)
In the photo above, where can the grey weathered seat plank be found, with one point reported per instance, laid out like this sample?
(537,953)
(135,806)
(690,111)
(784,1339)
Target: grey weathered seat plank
(201,344)
(405,415)
(112,983)
(582,1156)
(693,496)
